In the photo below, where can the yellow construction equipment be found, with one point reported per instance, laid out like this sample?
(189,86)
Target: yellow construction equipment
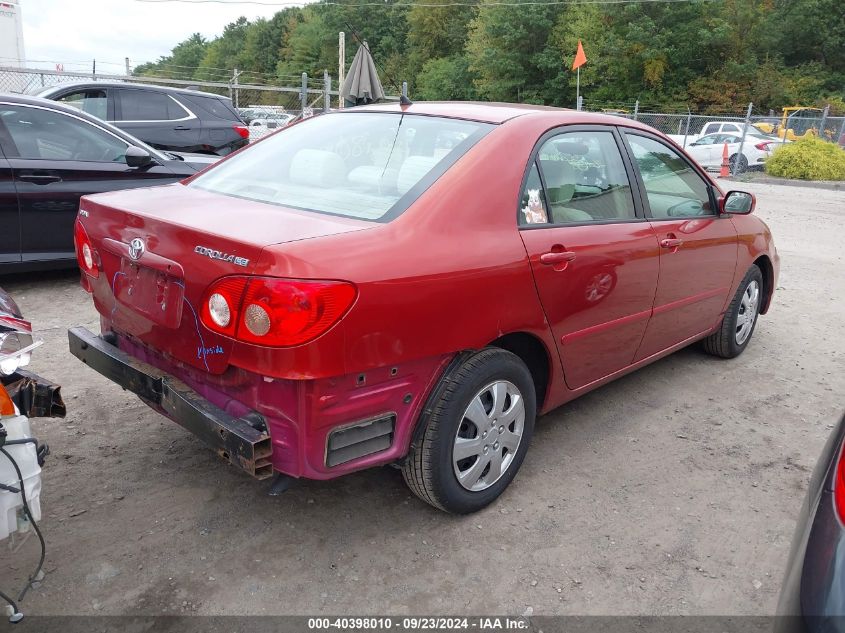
(796,122)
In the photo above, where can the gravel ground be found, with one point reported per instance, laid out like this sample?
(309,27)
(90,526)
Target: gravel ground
(671,491)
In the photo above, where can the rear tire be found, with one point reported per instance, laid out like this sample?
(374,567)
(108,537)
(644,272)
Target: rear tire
(740,319)
(485,411)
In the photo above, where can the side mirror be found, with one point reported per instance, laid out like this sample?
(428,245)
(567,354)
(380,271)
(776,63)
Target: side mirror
(738,203)
(137,157)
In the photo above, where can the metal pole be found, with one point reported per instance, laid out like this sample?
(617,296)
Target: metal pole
(786,129)
(341,65)
(686,132)
(128,72)
(636,109)
(742,140)
(824,121)
(235,95)
(303,94)
(578,90)
(405,89)
(94,69)
(327,86)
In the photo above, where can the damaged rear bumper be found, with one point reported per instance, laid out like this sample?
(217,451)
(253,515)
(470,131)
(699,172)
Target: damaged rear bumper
(236,440)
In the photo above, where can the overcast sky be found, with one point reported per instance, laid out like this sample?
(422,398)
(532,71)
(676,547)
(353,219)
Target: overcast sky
(74,32)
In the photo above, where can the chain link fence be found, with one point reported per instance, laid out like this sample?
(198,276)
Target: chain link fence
(264,108)
(741,133)
(686,127)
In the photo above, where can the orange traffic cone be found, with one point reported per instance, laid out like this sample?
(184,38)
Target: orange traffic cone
(724,172)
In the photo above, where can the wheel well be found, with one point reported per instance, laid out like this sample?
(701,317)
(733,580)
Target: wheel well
(765,265)
(533,353)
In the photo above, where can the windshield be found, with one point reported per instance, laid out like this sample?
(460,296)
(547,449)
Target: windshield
(368,165)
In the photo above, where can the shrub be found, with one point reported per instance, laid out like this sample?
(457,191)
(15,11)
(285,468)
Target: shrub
(808,159)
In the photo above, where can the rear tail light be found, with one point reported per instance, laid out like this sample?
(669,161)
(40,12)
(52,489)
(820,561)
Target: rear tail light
(85,253)
(764,146)
(839,485)
(242,130)
(275,312)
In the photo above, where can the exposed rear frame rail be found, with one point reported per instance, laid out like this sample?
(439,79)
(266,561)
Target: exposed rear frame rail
(234,439)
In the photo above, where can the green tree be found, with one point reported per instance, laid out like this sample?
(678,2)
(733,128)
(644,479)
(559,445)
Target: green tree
(506,47)
(445,79)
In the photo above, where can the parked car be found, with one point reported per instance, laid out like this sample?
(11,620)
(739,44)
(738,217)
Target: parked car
(50,156)
(256,112)
(711,127)
(264,124)
(359,290)
(708,150)
(166,118)
(812,598)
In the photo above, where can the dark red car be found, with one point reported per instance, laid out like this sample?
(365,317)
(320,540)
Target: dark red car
(413,285)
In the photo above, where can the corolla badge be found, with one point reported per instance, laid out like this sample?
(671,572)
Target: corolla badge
(225,257)
(136,248)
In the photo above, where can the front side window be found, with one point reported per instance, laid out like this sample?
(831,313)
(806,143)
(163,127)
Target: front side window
(146,105)
(674,189)
(585,179)
(730,127)
(363,165)
(710,139)
(42,134)
(91,101)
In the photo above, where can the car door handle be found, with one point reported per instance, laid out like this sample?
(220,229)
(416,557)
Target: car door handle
(181,128)
(557,257)
(671,242)
(38,179)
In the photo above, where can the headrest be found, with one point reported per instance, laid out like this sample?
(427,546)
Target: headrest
(571,148)
(317,167)
(413,170)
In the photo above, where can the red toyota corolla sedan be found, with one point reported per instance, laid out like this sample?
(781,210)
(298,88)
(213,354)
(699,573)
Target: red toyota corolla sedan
(413,285)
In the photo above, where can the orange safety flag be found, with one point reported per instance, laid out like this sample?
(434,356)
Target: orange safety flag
(580,57)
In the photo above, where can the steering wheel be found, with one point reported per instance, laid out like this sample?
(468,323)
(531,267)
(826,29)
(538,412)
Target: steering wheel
(87,150)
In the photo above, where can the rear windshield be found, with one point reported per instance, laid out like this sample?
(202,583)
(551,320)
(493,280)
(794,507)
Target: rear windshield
(356,164)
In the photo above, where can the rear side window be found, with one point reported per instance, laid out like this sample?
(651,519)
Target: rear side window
(364,165)
(584,180)
(147,105)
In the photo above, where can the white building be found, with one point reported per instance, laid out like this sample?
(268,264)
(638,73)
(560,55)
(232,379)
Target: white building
(11,34)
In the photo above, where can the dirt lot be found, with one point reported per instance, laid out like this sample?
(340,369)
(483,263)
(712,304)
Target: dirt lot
(671,491)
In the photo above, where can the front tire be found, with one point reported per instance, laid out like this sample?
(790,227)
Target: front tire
(743,164)
(740,319)
(476,431)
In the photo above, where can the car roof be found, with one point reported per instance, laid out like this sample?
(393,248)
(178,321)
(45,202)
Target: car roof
(496,112)
(125,84)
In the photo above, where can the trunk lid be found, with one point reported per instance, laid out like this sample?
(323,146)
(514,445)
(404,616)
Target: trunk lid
(160,248)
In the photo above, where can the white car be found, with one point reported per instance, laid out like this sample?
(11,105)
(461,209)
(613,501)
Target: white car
(708,150)
(266,123)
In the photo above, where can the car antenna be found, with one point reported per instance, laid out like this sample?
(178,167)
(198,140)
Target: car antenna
(403,98)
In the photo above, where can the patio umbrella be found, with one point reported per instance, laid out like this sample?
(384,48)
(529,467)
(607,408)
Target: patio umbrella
(362,84)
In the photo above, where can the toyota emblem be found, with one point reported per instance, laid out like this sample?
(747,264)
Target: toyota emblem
(136,248)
